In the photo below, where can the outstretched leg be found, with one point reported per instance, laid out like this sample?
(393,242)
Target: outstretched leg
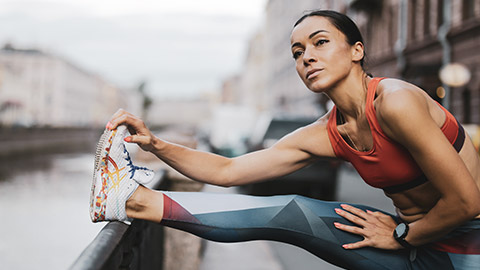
(293,219)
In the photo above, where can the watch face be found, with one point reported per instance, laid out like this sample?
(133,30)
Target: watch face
(400,230)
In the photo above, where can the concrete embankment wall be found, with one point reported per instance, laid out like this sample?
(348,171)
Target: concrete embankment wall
(25,141)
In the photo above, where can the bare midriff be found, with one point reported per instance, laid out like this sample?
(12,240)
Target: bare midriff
(415,203)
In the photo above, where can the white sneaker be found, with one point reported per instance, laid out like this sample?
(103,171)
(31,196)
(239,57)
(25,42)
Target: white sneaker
(115,178)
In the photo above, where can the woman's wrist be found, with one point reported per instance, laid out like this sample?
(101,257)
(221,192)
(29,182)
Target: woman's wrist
(400,234)
(157,145)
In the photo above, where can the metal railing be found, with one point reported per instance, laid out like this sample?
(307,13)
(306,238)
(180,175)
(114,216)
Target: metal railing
(120,246)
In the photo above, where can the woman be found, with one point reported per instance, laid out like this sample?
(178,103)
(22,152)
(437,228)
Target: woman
(395,135)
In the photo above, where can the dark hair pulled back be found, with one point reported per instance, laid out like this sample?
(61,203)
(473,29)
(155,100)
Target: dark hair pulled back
(343,23)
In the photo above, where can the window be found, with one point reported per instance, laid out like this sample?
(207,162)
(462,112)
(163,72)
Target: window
(413,19)
(468,9)
(466,98)
(426,17)
(440,13)
(391,27)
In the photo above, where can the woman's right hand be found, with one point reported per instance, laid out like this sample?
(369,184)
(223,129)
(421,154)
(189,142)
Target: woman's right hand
(140,134)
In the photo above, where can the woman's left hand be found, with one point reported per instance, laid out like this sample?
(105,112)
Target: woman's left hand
(376,228)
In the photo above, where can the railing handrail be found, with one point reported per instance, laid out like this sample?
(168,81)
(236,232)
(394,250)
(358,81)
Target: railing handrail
(101,248)
(99,251)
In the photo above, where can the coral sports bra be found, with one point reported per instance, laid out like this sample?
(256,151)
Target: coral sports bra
(388,165)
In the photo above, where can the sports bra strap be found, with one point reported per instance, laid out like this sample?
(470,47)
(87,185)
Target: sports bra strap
(372,87)
(369,108)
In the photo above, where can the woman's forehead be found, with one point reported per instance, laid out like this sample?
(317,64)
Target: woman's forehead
(311,25)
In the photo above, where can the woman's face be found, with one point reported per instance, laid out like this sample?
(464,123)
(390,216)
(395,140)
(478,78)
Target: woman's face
(322,55)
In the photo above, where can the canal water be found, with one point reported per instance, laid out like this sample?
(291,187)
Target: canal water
(44,218)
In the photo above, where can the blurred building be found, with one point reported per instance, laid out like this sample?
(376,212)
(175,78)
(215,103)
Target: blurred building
(253,79)
(409,39)
(287,93)
(268,85)
(40,89)
(231,91)
(413,39)
(269,82)
(194,113)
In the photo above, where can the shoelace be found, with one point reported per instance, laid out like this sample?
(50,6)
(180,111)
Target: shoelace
(133,168)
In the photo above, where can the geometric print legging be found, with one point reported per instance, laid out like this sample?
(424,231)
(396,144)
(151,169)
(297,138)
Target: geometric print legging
(308,223)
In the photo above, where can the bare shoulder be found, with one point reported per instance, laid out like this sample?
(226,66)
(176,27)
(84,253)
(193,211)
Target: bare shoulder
(312,138)
(400,103)
(396,95)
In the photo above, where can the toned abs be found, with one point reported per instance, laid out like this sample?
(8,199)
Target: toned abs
(415,203)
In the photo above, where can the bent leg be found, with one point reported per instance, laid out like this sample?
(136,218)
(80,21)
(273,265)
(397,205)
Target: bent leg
(293,219)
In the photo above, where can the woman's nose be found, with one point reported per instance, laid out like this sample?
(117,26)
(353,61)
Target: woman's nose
(308,57)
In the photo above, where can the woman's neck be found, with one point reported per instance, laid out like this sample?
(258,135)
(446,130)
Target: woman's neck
(350,96)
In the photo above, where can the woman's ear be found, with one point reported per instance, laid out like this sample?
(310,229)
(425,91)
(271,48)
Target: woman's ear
(357,51)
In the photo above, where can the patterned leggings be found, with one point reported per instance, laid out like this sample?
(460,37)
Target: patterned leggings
(308,223)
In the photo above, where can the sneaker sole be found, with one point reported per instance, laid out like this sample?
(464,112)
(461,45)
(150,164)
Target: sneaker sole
(104,140)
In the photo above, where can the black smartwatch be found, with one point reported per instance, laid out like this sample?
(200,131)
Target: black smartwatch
(400,233)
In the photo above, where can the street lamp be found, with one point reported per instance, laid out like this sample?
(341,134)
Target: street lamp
(455,75)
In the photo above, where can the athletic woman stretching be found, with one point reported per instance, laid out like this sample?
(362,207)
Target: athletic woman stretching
(395,135)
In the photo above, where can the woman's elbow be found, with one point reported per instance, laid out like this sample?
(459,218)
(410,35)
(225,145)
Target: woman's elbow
(226,183)
(470,208)
(233,178)
(227,178)
(475,207)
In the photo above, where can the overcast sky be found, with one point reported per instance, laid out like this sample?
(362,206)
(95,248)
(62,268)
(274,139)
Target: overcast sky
(180,47)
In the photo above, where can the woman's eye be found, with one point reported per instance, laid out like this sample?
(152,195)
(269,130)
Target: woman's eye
(321,42)
(297,54)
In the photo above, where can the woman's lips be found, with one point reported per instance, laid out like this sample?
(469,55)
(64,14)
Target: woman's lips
(312,73)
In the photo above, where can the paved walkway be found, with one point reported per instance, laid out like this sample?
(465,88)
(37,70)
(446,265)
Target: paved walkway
(255,255)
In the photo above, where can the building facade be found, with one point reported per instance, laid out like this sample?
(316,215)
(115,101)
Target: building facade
(407,39)
(286,92)
(414,39)
(39,89)
(268,82)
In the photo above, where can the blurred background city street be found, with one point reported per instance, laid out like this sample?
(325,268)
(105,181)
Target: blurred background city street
(218,74)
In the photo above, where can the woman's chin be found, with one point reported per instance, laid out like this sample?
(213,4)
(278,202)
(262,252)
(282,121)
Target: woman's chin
(317,87)
(324,83)
(317,91)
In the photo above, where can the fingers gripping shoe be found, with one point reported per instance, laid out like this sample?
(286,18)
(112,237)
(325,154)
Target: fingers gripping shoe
(115,178)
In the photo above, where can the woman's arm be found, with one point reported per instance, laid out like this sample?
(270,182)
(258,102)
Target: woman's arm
(289,154)
(405,117)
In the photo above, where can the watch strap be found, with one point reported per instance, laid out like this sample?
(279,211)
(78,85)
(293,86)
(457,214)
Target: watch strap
(404,243)
(400,236)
